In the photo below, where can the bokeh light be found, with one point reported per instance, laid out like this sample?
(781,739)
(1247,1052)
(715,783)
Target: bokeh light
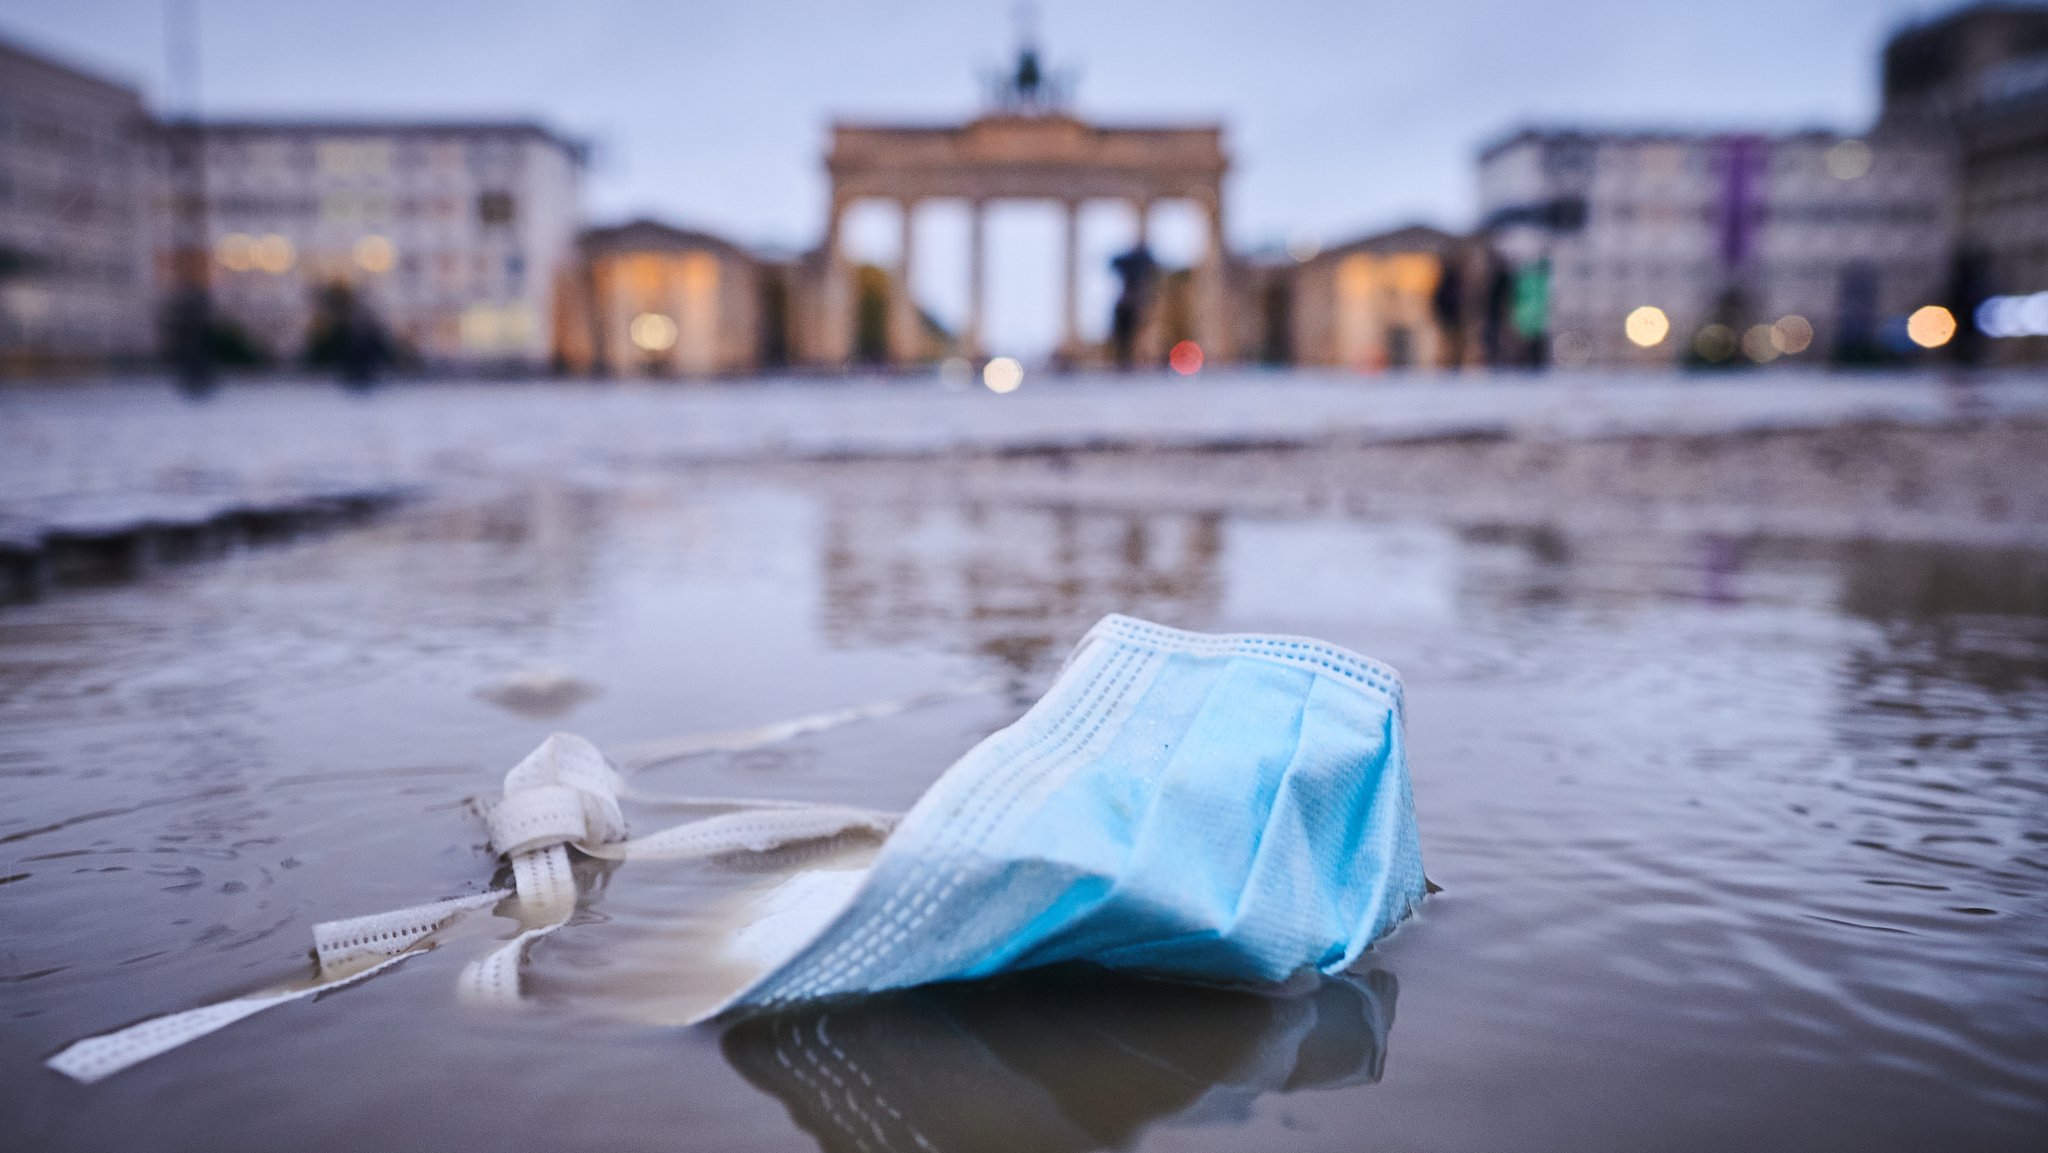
(1414,273)
(1647,326)
(1003,374)
(1304,246)
(375,254)
(652,332)
(1848,160)
(275,254)
(1714,343)
(2002,317)
(236,252)
(1931,326)
(1186,358)
(1792,334)
(1760,344)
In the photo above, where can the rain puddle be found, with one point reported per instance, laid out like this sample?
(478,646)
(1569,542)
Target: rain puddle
(1743,838)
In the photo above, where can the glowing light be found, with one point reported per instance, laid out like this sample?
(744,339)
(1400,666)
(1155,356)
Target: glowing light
(1186,358)
(2002,317)
(1715,342)
(652,332)
(1758,345)
(274,253)
(236,252)
(1995,318)
(955,373)
(1304,246)
(2032,314)
(1003,374)
(1792,334)
(1931,326)
(1414,273)
(1647,326)
(1848,160)
(480,328)
(375,254)
(1357,276)
(700,275)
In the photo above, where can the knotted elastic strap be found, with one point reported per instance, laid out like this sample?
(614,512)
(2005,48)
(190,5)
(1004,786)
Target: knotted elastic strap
(564,794)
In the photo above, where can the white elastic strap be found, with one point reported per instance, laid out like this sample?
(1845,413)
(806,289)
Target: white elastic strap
(646,754)
(109,1053)
(546,887)
(537,817)
(545,882)
(755,831)
(494,980)
(563,793)
(547,891)
(338,945)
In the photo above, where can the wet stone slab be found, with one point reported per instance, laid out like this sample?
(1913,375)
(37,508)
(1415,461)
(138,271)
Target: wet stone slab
(104,538)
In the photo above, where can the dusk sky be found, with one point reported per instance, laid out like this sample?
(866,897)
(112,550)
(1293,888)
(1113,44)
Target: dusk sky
(1343,117)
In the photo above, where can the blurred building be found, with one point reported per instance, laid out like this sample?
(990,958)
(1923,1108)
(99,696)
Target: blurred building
(645,299)
(1406,299)
(1980,77)
(451,234)
(74,283)
(1649,248)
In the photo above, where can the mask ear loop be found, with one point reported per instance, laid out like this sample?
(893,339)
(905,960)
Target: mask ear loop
(357,948)
(636,758)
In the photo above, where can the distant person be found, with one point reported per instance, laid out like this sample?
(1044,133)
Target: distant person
(188,323)
(1447,305)
(348,337)
(1500,297)
(1138,272)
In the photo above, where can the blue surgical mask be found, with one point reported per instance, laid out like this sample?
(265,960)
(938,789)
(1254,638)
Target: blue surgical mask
(1223,809)
(1229,809)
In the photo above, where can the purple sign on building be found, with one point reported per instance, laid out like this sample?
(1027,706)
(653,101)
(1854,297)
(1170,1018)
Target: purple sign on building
(1740,160)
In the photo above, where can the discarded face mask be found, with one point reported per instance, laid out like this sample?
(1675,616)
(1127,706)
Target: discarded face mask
(1227,809)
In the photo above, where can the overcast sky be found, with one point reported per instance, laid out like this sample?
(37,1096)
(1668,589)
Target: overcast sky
(1343,116)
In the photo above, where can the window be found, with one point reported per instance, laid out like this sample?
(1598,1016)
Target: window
(495,208)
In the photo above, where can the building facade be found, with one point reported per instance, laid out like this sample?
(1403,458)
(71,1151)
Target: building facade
(1744,246)
(452,236)
(1399,300)
(74,281)
(646,299)
(1980,77)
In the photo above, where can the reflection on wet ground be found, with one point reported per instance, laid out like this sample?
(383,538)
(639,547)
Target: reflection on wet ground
(1743,837)
(1057,1060)
(1009,581)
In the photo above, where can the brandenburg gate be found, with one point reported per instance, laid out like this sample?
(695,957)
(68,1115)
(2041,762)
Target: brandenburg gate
(1024,149)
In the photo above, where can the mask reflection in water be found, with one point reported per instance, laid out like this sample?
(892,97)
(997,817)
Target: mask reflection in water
(1066,1059)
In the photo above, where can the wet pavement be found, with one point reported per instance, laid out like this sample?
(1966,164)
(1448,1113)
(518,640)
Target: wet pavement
(1735,794)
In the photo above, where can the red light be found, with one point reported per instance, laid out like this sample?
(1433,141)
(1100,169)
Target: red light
(1186,358)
